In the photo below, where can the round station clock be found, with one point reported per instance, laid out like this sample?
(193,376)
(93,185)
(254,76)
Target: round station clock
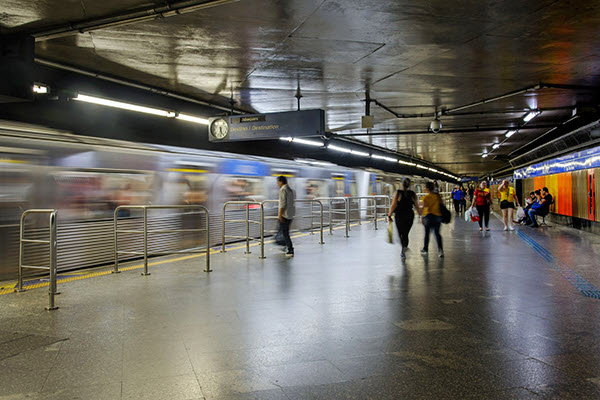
(218,128)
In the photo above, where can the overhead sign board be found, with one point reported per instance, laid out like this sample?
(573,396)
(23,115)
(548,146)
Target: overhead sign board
(267,126)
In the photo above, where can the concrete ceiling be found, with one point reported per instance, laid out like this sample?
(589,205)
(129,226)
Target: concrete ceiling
(413,57)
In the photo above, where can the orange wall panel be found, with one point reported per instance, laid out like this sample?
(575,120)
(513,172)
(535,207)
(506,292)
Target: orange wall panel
(539,182)
(564,201)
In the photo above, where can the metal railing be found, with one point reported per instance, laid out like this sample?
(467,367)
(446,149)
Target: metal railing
(386,204)
(311,216)
(248,221)
(371,206)
(145,233)
(332,212)
(51,242)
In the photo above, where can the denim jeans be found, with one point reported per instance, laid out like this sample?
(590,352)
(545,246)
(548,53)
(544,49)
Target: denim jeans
(284,228)
(432,222)
(532,213)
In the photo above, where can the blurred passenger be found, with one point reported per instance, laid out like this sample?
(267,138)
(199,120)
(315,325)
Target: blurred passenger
(287,212)
(432,218)
(541,207)
(483,203)
(471,193)
(528,203)
(402,206)
(463,202)
(507,204)
(457,198)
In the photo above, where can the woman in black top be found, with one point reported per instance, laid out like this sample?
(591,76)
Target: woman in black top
(402,206)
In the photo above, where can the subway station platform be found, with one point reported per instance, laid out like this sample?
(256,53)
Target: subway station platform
(503,315)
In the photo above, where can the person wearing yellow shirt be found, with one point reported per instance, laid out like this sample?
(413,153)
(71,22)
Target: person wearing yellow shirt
(507,204)
(432,218)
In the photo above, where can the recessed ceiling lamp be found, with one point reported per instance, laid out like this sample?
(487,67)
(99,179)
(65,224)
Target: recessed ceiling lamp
(40,89)
(484,155)
(510,133)
(495,146)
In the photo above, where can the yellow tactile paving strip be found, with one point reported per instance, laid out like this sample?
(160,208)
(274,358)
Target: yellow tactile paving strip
(10,287)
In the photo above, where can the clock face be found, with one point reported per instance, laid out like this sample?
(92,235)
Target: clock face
(219,128)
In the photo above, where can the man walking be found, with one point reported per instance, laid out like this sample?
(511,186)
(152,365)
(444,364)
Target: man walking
(287,210)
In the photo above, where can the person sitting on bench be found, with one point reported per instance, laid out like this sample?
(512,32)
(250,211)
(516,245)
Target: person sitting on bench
(541,208)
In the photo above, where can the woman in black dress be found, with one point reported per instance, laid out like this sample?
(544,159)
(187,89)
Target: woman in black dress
(402,206)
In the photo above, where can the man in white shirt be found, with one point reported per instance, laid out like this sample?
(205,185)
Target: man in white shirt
(287,211)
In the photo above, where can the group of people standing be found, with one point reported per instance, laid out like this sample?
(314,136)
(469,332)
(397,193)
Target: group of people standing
(405,202)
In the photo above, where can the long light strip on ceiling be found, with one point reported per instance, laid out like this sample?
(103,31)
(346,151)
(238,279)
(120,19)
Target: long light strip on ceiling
(531,115)
(191,118)
(302,141)
(340,149)
(124,106)
(138,108)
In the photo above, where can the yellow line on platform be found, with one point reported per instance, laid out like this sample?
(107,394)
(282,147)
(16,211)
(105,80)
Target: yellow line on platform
(81,276)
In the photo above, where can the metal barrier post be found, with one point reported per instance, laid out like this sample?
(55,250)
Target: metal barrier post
(20,272)
(52,284)
(223,236)
(145,273)
(347,216)
(116,268)
(330,224)
(321,207)
(207,241)
(52,244)
(247,229)
(262,230)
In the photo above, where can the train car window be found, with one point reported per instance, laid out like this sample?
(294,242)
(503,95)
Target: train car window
(16,189)
(316,188)
(244,189)
(84,195)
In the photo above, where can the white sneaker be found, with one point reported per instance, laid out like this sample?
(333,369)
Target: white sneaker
(511,228)
(506,228)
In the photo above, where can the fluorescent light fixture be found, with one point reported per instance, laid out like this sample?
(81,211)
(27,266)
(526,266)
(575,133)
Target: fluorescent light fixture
(287,139)
(510,133)
(531,115)
(390,159)
(407,163)
(484,155)
(422,166)
(360,153)
(40,89)
(433,169)
(307,142)
(191,118)
(379,157)
(340,149)
(496,145)
(123,106)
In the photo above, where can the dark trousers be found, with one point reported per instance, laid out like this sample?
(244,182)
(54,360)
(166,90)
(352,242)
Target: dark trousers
(484,213)
(284,228)
(463,205)
(432,222)
(403,224)
(456,205)
(532,216)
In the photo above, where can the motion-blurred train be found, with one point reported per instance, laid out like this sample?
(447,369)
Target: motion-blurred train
(86,178)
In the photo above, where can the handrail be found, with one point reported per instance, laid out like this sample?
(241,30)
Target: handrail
(373,207)
(330,211)
(262,220)
(51,242)
(145,209)
(247,221)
